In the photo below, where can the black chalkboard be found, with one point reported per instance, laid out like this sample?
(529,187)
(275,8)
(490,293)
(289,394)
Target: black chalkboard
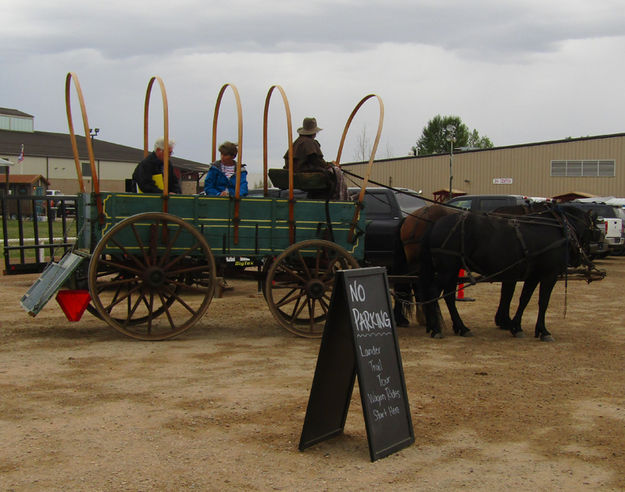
(360,339)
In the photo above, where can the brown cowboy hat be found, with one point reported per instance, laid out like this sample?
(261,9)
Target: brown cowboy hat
(309,127)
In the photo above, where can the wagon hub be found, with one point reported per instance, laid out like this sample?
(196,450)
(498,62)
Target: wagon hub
(315,288)
(154,276)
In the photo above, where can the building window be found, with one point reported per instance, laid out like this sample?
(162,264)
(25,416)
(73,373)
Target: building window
(586,168)
(86,169)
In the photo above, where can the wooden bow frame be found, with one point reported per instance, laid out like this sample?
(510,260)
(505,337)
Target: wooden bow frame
(72,77)
(237,189)
(374,149)
(289,128)
(146,119)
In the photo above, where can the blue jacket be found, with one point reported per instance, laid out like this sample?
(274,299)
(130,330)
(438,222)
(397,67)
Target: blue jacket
(216,181)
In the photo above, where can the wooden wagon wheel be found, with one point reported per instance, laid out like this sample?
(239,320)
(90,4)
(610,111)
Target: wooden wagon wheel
(135,320)
(299,284)
(152,276)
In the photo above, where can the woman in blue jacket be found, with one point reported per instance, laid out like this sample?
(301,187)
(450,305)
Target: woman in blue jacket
(221,177)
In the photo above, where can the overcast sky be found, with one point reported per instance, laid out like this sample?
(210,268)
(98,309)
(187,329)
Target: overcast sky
(518,71)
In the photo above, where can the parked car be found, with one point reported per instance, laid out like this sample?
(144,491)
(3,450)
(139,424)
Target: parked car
(487,203)
(61,204)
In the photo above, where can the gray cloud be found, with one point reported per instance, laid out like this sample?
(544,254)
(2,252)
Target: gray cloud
(481,30)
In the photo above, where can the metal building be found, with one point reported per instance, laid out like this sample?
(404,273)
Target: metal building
(588,166)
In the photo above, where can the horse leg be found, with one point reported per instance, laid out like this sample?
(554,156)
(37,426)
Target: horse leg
(544,294)
(502,317)
(449,281)
(431,309)
(401,308)
(526,294)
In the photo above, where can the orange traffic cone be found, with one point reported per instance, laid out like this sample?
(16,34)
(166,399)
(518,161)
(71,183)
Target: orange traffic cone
(460,296)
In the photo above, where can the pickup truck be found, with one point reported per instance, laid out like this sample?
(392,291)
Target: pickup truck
(384,211)
(608,220)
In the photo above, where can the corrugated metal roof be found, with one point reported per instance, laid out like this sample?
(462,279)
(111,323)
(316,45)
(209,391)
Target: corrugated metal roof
(22,178)
(47,144)
(471,151)
(14,112)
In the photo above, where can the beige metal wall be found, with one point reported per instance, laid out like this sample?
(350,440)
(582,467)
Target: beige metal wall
(528,166)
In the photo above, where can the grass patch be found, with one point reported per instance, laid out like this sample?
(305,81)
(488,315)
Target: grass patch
(43,232)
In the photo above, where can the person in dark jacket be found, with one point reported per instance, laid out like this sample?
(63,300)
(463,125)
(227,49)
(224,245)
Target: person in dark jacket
(307,155)
(308,158)
(149,172)
(221,178)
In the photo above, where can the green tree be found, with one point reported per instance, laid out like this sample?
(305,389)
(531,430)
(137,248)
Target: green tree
(434,138)
(478,142)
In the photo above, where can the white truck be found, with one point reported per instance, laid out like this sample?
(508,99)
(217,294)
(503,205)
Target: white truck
(609,220)
(613,233)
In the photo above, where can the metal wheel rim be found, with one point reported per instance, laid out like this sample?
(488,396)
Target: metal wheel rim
(181,286)
(293,282)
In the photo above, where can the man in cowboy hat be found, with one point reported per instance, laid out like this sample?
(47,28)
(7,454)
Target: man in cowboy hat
(307,155)
(308,158)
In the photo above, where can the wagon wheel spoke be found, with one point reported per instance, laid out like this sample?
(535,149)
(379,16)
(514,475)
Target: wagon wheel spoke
(298,308)
(167,313)
(182,271)
(142,247)
(324,302)
(284,284)
(121,266)
(114,283)
(294,274)
(131,310)
(117,299)
(303,263)
(184,304)
(191,288)
(182,255)
(169,246)
(151,313)
(126,254)
(311,313)
(292,296)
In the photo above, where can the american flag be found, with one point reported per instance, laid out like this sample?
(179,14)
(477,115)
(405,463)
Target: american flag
(20,157)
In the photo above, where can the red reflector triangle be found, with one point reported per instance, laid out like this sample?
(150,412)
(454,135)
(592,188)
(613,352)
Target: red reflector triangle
(73,302)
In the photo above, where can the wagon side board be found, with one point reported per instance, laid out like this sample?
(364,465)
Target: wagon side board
(263,228)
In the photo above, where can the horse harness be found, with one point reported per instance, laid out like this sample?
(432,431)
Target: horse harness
(562,222)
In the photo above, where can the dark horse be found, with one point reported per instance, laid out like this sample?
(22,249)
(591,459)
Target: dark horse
(507,249)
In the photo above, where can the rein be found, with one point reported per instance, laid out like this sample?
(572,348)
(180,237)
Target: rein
(547,217)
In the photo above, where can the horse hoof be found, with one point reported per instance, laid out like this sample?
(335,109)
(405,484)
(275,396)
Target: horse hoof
(518,334)
(437,335)
(467,333)
(547,338)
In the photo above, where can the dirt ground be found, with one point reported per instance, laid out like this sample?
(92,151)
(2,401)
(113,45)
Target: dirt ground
(222,406)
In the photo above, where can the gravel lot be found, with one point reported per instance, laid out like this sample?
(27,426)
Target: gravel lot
(222,406)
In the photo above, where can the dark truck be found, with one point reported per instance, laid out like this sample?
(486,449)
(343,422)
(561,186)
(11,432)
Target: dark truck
(384,211)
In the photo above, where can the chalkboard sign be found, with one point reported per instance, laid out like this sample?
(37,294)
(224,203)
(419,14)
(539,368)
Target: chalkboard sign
(360,339)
